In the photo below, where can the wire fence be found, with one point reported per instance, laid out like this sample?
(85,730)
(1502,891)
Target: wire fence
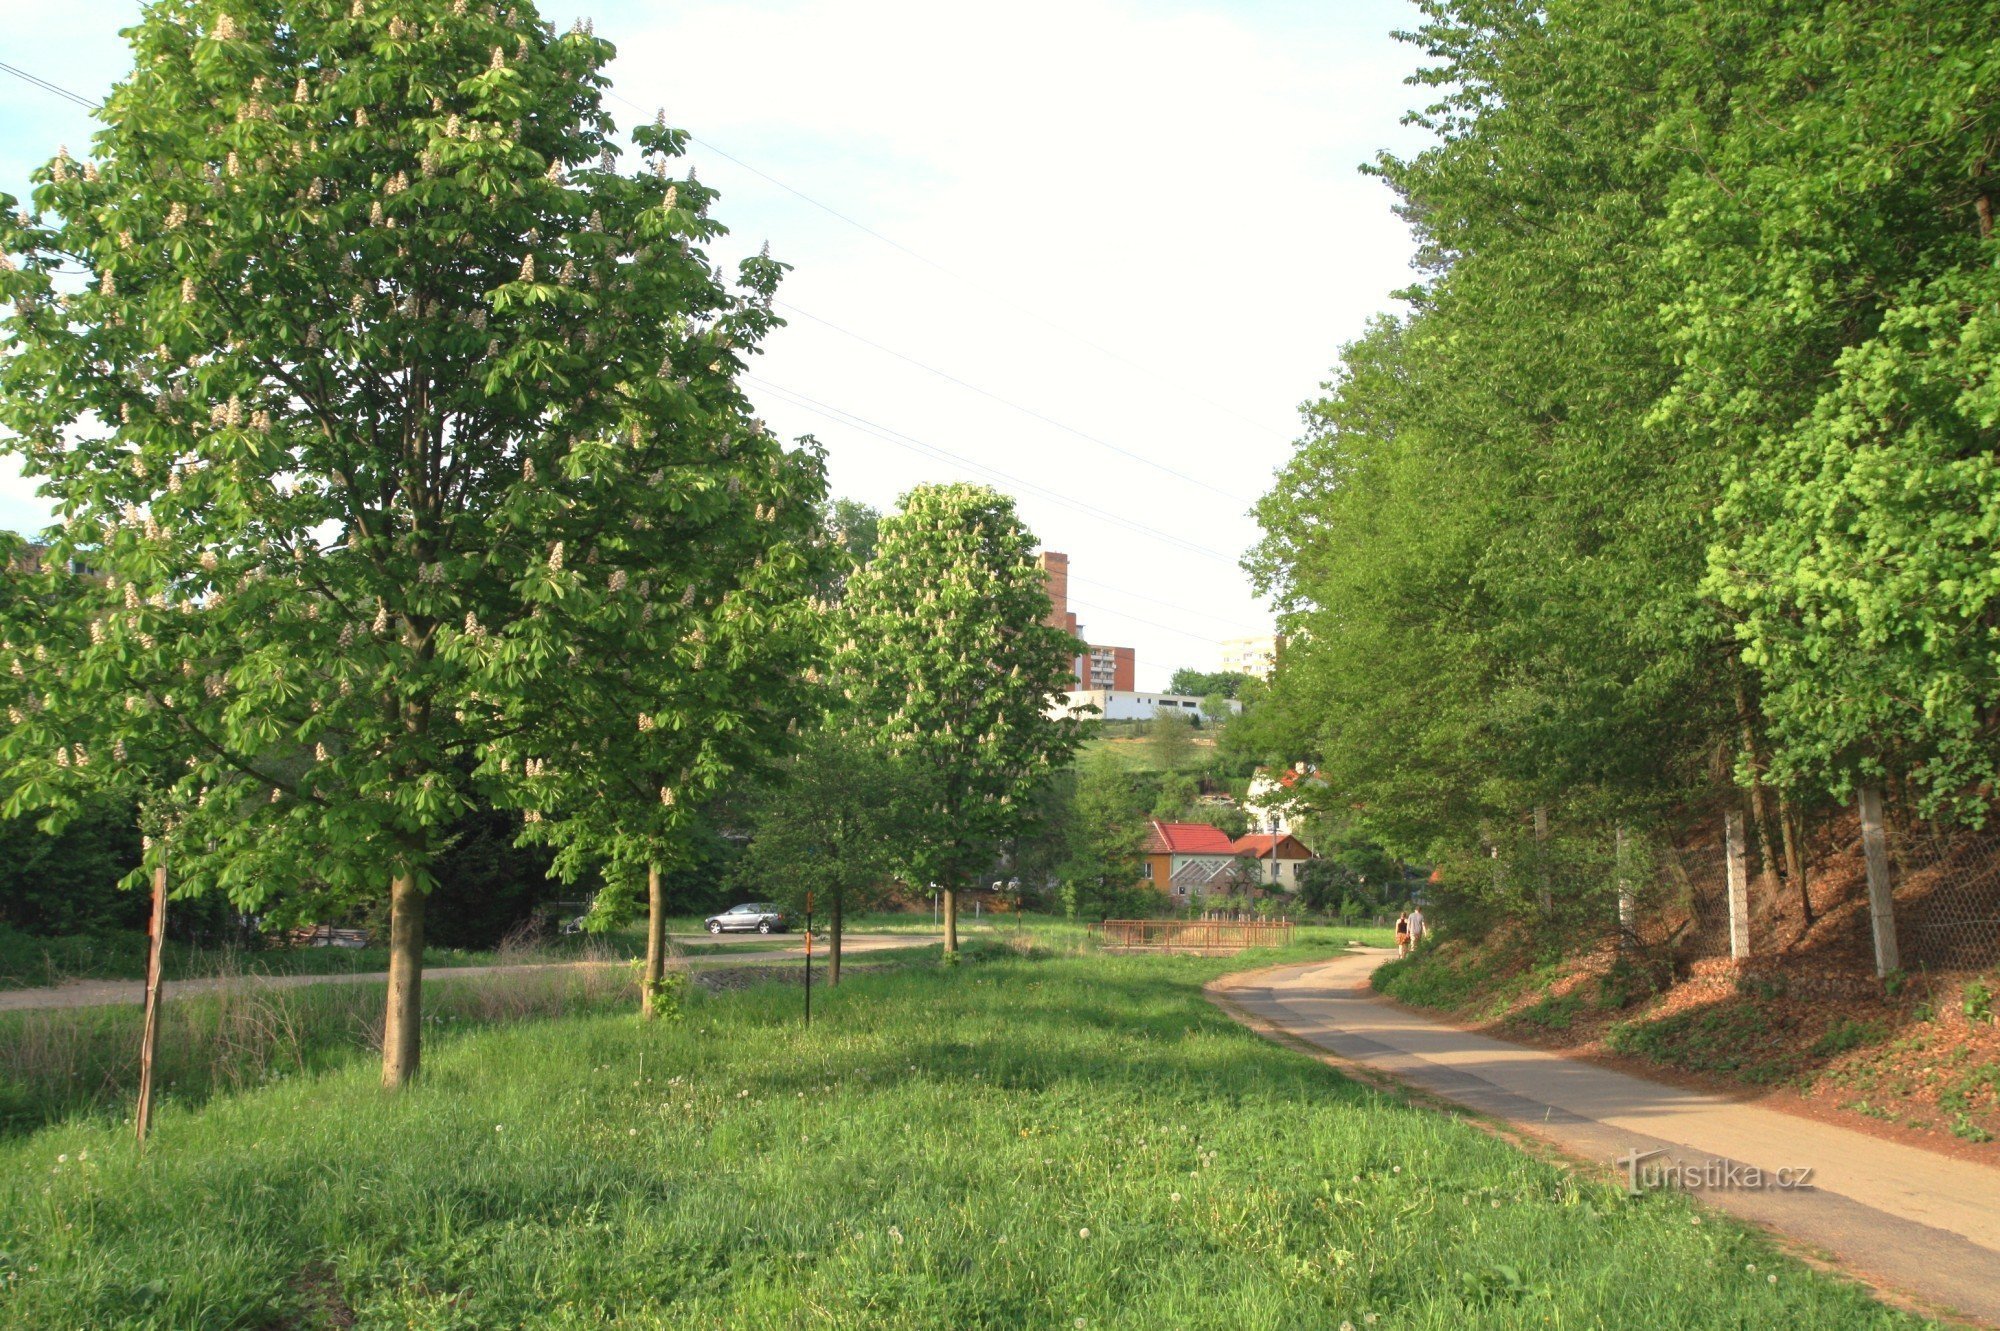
(1674,885)
(1947,895)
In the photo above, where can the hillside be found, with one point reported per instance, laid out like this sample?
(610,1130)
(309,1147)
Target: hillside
(1917,1055)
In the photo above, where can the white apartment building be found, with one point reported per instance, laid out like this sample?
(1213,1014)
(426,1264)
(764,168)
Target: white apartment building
(1128,704)
(1256,656)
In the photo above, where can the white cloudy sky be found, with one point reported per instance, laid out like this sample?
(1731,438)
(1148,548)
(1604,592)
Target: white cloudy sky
(1142,222)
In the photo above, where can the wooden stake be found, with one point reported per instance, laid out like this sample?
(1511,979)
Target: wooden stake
(142,1118)
(809,958)
(1881,899)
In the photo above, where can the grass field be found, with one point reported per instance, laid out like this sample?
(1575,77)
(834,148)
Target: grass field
(27,962)
(1050,1140)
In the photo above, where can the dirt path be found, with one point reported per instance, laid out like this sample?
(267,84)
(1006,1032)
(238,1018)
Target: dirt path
(112,993)
(1907,1220)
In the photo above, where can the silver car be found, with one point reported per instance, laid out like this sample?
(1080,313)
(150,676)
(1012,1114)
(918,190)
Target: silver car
(759,915)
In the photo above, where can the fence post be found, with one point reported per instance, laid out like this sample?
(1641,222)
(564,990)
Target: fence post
(1881,901)
(1628,904)
(1739,885)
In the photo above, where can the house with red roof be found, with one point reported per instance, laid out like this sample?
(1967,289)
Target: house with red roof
(1277,858)
(1192,859)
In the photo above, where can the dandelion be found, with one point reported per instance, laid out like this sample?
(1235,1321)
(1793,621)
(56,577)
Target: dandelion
(1772,1278)
(631,1132)
(895,1234)
(1175,1198)
(1083,1233)
(497,1127)
(1751,1267)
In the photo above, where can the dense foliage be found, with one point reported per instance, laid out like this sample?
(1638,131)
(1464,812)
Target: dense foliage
(389,424)
(1680,466)
(948,666)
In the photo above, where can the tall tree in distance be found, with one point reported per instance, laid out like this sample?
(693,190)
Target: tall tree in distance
(673,696)
(949,665)
(829,826)
(376,361)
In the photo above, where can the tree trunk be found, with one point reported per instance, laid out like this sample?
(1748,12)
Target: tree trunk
(951,920)
(1541,859)
(656,942)
(402,1021)
(833,945)
(1759,813)
(1795,865)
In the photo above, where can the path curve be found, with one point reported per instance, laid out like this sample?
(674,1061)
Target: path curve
(114,993)
(1907,1220)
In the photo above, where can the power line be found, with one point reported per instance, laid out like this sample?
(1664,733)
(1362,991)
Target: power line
(1024,410)
(896,437)
(46,86)
(852,420)
(1150,623)
(1224,620)
(1173,382)
(89,105)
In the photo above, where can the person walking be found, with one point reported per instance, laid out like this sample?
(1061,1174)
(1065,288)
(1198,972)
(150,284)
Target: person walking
(1403,935)
(1417,927)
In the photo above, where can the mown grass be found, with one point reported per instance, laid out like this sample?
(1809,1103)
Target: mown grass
(1016,1141)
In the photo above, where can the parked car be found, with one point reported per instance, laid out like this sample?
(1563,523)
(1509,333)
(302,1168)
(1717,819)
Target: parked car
(759,915)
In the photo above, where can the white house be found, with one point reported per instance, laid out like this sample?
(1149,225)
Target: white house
(1270,800)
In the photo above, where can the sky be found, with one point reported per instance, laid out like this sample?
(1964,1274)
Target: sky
(1092,252)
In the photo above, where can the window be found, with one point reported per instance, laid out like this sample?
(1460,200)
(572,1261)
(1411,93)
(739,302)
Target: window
(1149,871)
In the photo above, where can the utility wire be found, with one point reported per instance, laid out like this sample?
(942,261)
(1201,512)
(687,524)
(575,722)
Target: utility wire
(46,86)
(1237,625)
(853,421)
(883,432)
(1176,383)
(1150,623)
(1140,458)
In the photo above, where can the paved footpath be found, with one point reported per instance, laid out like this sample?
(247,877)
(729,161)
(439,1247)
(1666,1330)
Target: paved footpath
(696,951)
(1905,1219)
